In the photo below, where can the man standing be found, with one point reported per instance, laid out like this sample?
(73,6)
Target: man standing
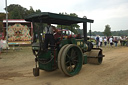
(115,41)
(101,40)
(111,41)
(97,41)
(49,38)
(105,41)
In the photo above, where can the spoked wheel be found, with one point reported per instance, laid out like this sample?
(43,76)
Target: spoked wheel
(70,60)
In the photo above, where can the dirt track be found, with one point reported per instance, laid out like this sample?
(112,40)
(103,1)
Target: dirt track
(16,69)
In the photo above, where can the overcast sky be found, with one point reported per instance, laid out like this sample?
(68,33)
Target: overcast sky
(103,12)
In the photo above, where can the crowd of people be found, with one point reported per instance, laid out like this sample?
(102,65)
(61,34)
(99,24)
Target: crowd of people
(113,41)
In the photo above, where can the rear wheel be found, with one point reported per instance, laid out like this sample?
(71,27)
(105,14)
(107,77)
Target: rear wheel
(71,60)
(59,57)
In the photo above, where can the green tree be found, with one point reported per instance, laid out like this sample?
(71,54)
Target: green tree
(18,12)
(107,31)
(15,14)
(31,10)
(38,11)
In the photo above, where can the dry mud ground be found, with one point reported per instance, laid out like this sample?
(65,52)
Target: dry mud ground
(16,69)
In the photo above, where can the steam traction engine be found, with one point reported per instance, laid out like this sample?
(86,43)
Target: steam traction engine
(69,54)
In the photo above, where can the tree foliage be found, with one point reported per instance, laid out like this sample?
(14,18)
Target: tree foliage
(94,33)
(18,12)
(107,31)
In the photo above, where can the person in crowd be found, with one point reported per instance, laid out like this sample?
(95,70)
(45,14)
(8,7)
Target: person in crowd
(111,41)
(101,41)
(124,40)
(121,40)
(105,41)
(115,41)
(97,41)
(108,39)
